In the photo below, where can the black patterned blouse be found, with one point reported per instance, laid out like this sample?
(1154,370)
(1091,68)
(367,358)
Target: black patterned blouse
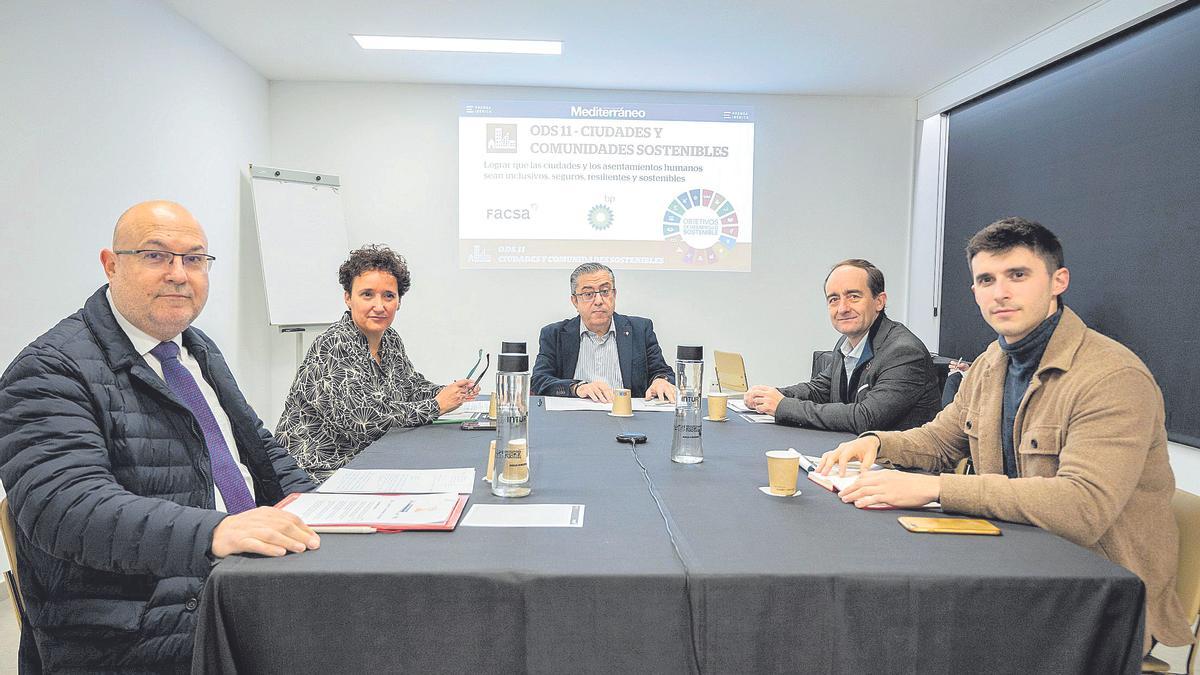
(342,400)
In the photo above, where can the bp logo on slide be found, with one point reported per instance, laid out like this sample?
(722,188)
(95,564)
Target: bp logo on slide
(600,217)
(702,225)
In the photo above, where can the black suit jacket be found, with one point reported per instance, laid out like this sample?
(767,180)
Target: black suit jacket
(110,488)
(637,349)
(894,386)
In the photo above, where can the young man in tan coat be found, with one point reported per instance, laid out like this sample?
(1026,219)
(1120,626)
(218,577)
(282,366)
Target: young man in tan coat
(1063,425)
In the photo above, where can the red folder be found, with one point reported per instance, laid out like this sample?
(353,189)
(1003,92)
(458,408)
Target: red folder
(450,524)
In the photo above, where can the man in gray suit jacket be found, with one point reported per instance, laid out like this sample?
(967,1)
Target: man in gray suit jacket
(880,377)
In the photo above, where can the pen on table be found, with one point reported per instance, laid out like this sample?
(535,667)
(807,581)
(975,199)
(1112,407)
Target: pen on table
(343,529)
(805,464)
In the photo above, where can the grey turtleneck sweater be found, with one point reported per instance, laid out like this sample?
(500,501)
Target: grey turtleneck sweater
(1024,355)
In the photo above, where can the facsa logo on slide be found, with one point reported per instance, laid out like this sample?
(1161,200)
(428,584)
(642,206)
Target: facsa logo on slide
(501,138)
(508,214)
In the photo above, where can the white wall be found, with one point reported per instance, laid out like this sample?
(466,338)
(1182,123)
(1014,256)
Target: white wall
(832,180)
(107,103)
(1185,460)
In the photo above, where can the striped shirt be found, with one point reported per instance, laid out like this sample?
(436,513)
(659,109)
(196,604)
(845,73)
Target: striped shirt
(598,358)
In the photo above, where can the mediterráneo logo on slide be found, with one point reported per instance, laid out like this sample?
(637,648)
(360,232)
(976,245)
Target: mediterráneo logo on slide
(610,112)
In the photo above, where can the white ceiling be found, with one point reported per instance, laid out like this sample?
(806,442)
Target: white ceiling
(829,47)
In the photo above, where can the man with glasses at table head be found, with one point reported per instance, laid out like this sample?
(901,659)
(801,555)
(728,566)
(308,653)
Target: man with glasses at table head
(132,462)
(598,351)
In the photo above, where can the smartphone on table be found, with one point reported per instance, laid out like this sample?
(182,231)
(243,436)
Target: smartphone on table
(948,525)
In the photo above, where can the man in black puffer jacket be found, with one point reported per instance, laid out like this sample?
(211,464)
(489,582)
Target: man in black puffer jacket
(133,463)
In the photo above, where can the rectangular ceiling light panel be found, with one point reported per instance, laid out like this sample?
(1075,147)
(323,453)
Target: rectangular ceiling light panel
(437,44)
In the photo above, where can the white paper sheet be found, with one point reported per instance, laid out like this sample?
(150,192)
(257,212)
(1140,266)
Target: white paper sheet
(399,481)
(835,483)
(524,515)
(328,509)
(558,404)
(815,461)
(738,405)
(473,407)
(654,404)
(456,416)
(758,419)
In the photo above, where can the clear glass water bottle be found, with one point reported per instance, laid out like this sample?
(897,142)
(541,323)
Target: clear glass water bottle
(505,348)
(686,447)
(512,478)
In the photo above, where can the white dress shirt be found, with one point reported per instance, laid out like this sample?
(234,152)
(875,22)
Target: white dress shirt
(852,355)
(598,357)
(142,344)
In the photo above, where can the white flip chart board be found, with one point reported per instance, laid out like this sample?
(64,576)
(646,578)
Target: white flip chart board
(302,241)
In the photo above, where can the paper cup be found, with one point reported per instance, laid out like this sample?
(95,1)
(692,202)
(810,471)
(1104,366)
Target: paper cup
(492,406)
(718,405)
(622,402)
(491,472)
(783,468)
(516,462)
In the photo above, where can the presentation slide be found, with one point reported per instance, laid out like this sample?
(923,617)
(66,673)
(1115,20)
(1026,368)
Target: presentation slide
(634,186)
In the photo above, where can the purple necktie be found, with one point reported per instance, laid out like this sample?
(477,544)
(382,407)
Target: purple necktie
(226,475)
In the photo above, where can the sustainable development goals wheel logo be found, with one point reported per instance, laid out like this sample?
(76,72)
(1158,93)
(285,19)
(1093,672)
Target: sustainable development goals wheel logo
(702,224)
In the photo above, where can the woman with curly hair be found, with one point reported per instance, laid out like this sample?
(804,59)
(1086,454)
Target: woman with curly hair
(356,381)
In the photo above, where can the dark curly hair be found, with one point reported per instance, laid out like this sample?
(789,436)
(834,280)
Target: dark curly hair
(375,257)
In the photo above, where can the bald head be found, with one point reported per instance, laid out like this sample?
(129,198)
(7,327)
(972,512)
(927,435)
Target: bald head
(155,213)
(156,293)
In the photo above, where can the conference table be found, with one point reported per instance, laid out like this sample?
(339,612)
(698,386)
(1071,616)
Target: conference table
(677,569)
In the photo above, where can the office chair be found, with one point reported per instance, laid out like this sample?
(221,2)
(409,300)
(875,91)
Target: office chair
(1186,507)
(821,361)
(950,388)
(10,543)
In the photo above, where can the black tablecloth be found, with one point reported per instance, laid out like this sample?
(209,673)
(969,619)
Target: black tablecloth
(678,569)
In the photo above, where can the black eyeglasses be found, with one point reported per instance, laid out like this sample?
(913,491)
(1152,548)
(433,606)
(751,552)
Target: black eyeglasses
(150,257)
(588,296)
